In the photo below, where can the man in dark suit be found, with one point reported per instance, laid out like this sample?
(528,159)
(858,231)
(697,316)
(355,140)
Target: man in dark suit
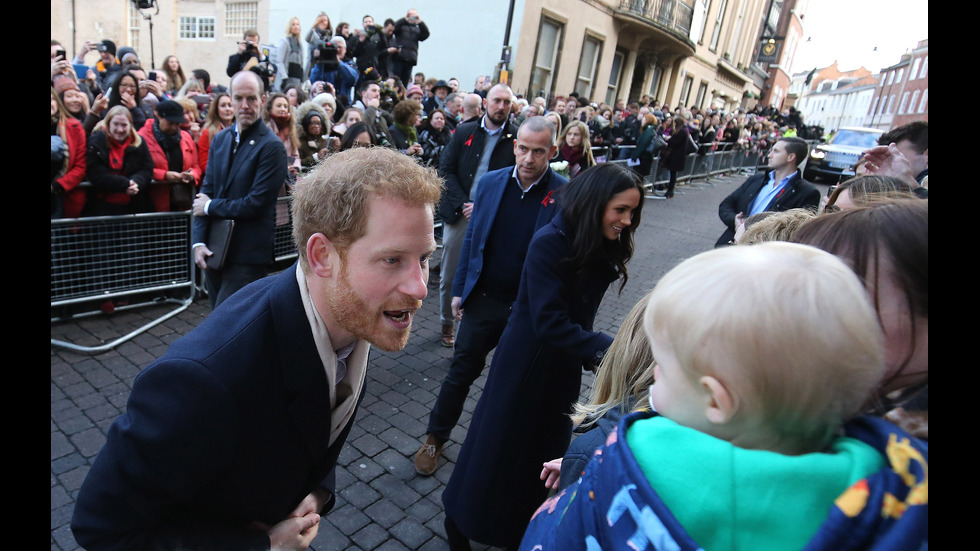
(475,148)
(510,205)
(230,439)
(782,187)
(246,169)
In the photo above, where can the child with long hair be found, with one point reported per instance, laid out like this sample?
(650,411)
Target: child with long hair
(575,148)
(620,387)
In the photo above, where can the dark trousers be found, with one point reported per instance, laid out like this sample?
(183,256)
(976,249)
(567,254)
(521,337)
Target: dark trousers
(402,70)
(672,182)
(232,277)
(484,319)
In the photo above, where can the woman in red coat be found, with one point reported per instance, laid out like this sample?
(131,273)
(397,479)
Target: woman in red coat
(221,115)
(118,165)
(67,197)
(170,173)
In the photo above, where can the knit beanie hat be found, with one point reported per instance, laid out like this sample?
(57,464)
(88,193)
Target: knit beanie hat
(63,83)
(325,98)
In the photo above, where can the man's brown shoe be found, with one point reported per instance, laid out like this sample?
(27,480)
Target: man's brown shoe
(427,458)
(448,335)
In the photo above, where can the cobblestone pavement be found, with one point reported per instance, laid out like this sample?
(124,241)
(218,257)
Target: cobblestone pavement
(382,503)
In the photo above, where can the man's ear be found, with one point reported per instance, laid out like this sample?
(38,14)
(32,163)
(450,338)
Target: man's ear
(321,255)
(722,404)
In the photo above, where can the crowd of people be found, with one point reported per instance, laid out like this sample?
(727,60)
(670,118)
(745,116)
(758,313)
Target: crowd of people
(535,229)
(353,74)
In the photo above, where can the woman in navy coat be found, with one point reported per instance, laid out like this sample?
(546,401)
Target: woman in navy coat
(521,419)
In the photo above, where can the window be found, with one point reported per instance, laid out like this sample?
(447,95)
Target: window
(702,91)
(134,24)
(686,90)
(588,65)
(194,27)
(719,18)
(241,16)
(925,100)
(914,101)
(546,57)
(901,72)
(891,105)
(704,23)
(618,60)
(914,73)
(658,73)
(925,67)
(891,78)
(904,103)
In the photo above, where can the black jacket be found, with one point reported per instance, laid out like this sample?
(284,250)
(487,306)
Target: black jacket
(407,36)
(798,193)
(461,159)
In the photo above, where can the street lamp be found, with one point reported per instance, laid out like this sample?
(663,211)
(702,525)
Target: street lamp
(146,5)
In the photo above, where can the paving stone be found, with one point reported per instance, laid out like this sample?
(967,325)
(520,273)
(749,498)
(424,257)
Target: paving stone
(395,490)
(411,532)
(385,512)
(360,495)
(371,536)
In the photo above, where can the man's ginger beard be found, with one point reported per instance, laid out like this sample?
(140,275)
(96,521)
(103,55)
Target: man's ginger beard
(352,313)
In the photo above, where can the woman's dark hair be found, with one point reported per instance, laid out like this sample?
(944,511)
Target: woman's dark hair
(351,134)
(203,76)
(301,96)
(583,205)
(889,230)
(427,123)
(115,98)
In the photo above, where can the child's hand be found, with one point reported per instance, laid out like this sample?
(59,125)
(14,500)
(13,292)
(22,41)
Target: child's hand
(551,473)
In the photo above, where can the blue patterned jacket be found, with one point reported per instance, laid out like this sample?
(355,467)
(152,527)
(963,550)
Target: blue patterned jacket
(612,506)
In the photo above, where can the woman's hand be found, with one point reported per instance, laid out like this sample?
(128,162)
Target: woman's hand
(127,99)
(100,104)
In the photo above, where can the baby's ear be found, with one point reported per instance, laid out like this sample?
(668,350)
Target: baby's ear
(722,404)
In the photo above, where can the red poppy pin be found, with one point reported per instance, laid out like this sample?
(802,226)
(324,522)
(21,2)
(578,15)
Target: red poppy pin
(547,198)
(468,141)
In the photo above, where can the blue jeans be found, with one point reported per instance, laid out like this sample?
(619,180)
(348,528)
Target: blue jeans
(484,319)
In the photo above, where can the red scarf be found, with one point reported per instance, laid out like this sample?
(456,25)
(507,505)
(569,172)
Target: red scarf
(283,123)
(572,155)
(117,152)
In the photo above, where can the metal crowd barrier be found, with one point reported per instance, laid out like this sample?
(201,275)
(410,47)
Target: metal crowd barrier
(698,168)
(117,263)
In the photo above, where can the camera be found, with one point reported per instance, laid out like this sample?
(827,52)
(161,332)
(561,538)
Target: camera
(152,76)
(327,57)
(249,47)
(61,53)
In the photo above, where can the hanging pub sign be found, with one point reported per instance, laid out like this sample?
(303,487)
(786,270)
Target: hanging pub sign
(768,51)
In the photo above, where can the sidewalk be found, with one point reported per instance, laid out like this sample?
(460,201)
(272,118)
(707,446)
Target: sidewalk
(382,504)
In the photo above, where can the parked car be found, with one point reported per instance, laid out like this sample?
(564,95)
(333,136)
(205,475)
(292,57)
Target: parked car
(836,158)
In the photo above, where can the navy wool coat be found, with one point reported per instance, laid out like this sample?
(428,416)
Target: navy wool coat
(521,418)
(231,425)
